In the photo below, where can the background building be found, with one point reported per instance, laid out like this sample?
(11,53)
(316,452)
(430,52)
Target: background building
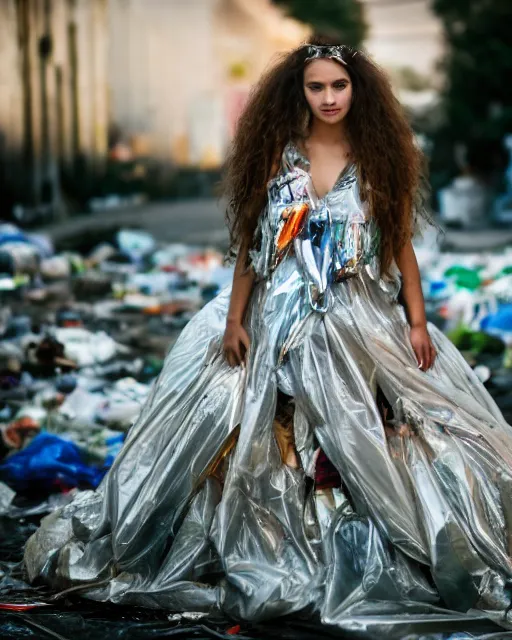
(179,72)
(53,102)
(103,97)
(404,33)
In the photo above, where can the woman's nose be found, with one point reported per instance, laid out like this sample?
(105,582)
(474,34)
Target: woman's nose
(329,96)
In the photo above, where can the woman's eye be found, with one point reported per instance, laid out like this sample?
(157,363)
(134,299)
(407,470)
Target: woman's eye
(340,85)
(314,87)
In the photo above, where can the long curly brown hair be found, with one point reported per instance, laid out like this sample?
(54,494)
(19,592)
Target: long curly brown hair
(390,165)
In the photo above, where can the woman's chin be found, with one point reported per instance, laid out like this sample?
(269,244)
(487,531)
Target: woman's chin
(330,119)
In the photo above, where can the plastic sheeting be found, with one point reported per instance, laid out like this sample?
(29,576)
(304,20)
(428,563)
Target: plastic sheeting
(201,513)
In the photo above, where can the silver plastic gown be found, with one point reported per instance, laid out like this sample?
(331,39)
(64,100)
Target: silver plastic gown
(201,511)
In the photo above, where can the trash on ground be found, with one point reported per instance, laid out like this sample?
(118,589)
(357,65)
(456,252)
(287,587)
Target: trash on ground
(82,338)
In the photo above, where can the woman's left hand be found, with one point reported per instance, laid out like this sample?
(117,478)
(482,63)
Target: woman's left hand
(423,347)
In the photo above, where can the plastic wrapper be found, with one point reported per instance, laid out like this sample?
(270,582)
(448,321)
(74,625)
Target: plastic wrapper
(49,461)
(210,507)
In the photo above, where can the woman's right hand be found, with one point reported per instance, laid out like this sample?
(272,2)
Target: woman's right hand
(236,343)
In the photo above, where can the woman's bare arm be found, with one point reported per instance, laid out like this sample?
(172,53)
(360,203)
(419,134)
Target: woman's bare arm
(243,280)
(236,339)
(411,287)
(415,306)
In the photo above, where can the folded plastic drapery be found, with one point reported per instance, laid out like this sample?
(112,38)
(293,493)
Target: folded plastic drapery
(212,506)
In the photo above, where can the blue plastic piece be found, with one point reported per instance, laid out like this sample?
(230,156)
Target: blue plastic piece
(49,461)
(499,322)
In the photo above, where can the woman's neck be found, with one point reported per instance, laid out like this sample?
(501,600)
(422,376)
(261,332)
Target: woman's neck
(329,134)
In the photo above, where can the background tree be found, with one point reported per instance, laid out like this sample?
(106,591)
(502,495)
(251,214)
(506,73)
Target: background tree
(408,78)
(477,96)
(342,19)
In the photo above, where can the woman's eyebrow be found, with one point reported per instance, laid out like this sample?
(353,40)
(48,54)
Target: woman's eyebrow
(332,81)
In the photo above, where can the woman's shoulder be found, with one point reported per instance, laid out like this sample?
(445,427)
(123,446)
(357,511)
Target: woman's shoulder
(292,157)
(288,167)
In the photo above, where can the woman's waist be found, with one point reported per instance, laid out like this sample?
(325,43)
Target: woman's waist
(340,246)
(297,277)
(289,296)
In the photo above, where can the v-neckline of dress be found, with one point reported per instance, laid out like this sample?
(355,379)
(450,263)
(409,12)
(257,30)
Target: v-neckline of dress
(305,160)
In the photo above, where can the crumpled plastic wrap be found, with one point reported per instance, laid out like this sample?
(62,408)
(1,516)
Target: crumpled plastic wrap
(201,513)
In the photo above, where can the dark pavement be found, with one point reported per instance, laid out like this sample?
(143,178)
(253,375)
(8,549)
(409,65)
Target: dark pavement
(202,222)
(192,221)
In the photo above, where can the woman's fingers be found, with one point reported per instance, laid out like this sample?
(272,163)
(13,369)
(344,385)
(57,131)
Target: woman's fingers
(233,358)
(433,353)
(233,355)
(419,357)
(236,345)
(430,354)
(422,356)
(426,357)
(238,353)
(229,355)
(245,340)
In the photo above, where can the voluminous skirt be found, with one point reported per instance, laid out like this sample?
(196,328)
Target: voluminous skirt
(212,503)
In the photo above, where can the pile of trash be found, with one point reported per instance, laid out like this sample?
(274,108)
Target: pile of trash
(83,336)
(469,297)
(81,340)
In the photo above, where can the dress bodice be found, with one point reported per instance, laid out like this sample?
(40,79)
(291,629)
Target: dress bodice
(331,237)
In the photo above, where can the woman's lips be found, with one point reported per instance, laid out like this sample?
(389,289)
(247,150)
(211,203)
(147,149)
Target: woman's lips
(330,112)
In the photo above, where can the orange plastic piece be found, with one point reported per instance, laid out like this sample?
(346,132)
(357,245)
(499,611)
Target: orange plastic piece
(294,216)
(233,631)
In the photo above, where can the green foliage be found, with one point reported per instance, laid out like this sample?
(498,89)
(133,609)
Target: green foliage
(475,341)
(410,79)
(477,97)
(342,19)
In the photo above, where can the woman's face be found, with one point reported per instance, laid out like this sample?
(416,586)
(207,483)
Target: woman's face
(328,90)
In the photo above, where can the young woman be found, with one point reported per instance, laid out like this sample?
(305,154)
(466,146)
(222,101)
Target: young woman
(311,444)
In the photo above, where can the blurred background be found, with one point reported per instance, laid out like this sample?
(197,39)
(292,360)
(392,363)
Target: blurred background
(110,102)
(115,118)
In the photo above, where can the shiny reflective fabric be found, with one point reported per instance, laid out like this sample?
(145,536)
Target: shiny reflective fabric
(211,504)
(331,238)
(337,52)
